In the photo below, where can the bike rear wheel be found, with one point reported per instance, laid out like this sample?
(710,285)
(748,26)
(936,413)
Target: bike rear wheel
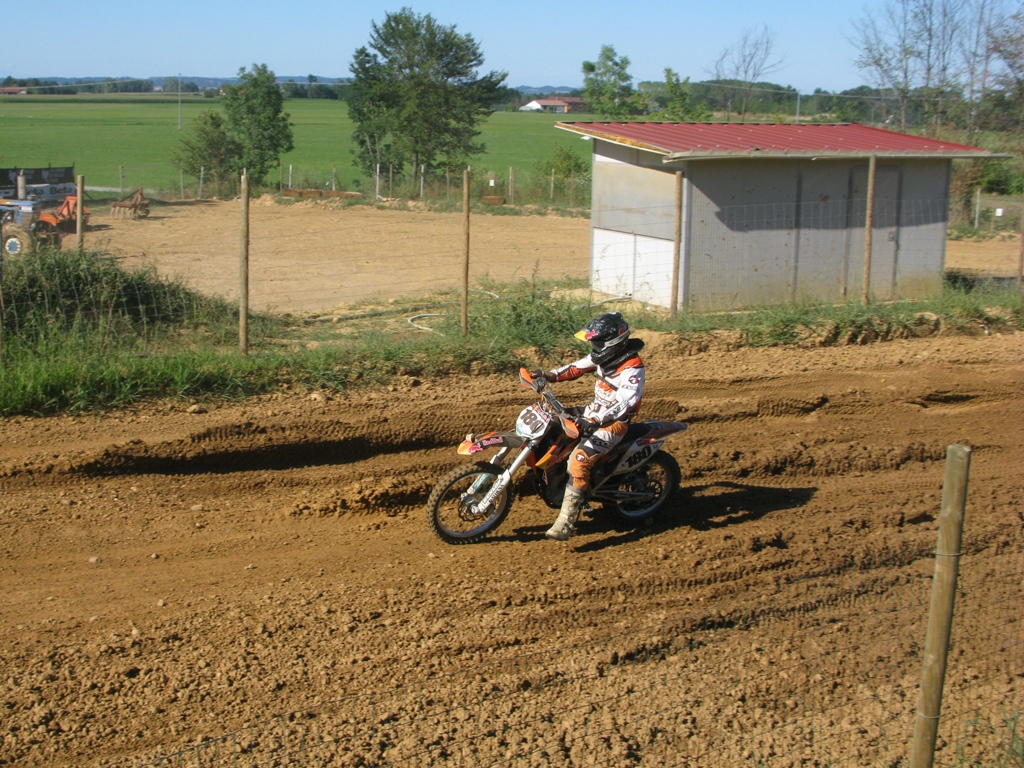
(452,509)
(639,494)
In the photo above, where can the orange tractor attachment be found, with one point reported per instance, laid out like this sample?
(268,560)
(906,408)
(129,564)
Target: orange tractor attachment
(134,205)
(64,219)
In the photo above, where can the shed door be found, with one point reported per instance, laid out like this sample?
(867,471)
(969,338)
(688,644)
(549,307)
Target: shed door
(885,231)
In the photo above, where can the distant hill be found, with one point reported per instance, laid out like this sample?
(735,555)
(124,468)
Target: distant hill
(532,89)
(217,82)
(202,82)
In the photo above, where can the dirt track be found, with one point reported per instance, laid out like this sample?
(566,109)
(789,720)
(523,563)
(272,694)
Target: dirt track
(170,576)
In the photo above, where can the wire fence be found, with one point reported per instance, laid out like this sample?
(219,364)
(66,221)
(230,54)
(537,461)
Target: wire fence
(324,262)
(785,679)
(508,186)
(523,186)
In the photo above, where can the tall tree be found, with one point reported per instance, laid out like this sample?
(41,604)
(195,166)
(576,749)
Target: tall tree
(748,60)
(417,96)
(1008,44)
(888,51)
(981,16)
(937,27)
(208,149)
(608,86)
(930,54)
(679,106)
(257,121)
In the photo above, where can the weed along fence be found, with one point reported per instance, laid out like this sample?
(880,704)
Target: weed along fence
(735,257)
(937,686)
(511,186)
(335,265)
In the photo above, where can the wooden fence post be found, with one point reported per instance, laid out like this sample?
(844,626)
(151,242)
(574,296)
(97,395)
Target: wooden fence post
(465,262)
(940,611)
(79,221)
(869,223)
(243,272)
(677,246)
(1020,253)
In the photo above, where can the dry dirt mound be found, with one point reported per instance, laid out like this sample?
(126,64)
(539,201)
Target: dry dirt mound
(173,575)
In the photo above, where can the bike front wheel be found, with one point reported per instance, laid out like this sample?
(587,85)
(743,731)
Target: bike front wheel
(454,510)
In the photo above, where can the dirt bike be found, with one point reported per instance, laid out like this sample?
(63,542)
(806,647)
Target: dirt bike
(632,481)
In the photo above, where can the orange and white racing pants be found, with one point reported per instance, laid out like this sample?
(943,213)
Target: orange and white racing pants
(590,450)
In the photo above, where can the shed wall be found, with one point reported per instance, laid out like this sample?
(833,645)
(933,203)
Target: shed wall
(924,221)
(762,232)
(742,233)
(821,258)
(633,198)
(632,265)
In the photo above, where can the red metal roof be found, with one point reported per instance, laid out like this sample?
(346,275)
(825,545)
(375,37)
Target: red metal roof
(693,141)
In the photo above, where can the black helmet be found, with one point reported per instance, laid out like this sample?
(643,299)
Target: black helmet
(607,335)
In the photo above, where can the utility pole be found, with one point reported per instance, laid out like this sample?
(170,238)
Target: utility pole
(179,101)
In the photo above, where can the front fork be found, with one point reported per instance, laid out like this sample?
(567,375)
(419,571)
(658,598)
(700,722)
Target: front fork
(503,479)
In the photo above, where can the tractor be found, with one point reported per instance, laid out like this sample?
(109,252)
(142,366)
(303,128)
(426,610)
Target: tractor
(24,224)
(18,222)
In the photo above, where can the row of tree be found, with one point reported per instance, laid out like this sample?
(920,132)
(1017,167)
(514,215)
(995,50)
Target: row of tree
(36,86)
(946,59)
(417,97)
(933,64)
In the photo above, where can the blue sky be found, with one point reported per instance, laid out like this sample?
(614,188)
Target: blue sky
(536,42)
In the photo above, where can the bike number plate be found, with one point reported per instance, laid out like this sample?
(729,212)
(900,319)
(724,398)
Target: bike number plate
(532,422)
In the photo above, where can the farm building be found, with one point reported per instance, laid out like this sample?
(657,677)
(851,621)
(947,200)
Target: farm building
(560,104)
(730,215)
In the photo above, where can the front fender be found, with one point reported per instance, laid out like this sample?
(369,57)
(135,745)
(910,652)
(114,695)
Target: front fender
(476,443)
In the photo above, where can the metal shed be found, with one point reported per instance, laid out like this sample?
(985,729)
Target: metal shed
(711,216)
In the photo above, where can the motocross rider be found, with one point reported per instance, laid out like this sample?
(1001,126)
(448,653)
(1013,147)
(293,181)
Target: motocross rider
(602,422)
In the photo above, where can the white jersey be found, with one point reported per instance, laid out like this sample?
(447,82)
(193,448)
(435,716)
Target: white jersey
(617,393)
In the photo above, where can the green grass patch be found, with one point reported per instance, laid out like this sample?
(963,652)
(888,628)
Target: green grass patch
(39,131)
(81,333)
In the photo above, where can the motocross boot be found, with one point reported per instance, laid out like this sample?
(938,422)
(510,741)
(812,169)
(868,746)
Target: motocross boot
(565,523)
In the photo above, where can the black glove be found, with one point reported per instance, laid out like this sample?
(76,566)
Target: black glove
(539,379)
(586,427)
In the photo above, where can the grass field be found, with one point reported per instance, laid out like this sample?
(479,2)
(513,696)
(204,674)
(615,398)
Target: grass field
(136,135)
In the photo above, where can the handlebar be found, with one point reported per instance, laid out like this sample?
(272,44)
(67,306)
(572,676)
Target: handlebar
(544,390)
